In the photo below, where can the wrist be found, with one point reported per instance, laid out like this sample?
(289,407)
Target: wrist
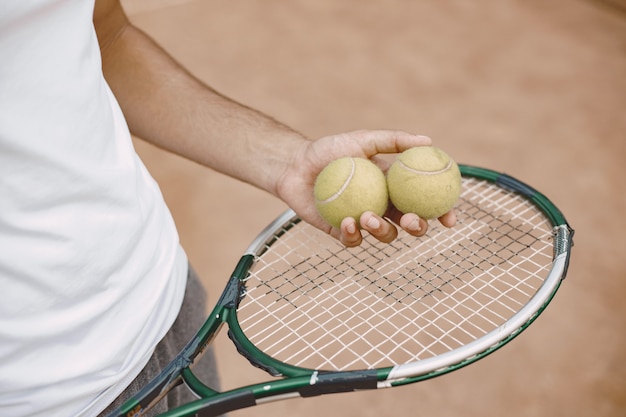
(280,154)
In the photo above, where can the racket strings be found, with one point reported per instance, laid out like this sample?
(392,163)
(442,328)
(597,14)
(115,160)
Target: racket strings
(311,302)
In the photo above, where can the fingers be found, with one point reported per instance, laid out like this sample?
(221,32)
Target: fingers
(350,234)
(416,226)
(383,230)
(413,224)
(389,141)
(378,227)
(448,219)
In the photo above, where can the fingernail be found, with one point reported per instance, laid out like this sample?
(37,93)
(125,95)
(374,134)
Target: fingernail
(415,225)
(351,228)
(373,223)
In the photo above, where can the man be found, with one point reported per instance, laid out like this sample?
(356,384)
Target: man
(92,274)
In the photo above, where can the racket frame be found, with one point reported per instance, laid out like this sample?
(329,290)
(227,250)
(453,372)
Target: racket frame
(303,382)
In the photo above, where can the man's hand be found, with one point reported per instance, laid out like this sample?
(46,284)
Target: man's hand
(295,186)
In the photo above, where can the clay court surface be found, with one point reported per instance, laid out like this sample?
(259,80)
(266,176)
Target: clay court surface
(536,89)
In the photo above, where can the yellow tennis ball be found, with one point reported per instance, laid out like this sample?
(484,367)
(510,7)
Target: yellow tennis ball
(424,180)
(348,187)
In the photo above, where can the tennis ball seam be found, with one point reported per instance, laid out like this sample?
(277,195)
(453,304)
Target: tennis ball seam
(420,172)
(343,186)
(425,181)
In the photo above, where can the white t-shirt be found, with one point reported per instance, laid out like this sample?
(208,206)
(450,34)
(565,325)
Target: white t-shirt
(91,271)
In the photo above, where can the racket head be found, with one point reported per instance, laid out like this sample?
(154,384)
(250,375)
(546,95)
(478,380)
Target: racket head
(409,310)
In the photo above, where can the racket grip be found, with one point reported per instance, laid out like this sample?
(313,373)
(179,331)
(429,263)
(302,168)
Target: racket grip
(336,382)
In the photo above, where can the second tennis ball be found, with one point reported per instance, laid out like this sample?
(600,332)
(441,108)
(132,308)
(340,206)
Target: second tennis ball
(424,180)
(348,187)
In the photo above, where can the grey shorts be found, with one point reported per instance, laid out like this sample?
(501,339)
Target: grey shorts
(191,317)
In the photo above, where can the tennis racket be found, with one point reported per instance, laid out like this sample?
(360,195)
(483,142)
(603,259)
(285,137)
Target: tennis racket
(322,318)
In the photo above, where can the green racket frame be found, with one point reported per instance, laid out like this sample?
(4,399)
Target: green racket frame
(307,382)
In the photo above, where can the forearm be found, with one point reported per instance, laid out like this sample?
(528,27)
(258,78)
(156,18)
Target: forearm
(167,106)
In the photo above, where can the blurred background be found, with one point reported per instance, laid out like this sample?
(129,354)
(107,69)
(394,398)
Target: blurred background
(533,88)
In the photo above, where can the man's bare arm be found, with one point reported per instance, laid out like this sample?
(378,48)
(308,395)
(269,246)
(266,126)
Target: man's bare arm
(169,107)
